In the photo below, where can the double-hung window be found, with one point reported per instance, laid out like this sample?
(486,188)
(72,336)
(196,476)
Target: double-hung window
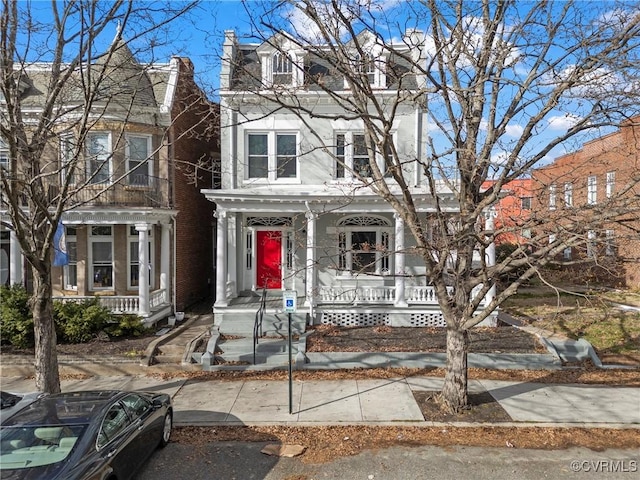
(70,270)
(134,258)
(101,257)
(611,183)
(139,164)
(67,159)
(552,196)
(98,150)
(272,156)
(4,156)
(568,194)
(352,157)
(592,190)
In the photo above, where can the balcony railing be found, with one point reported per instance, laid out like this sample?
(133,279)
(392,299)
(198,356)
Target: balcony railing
(131,191)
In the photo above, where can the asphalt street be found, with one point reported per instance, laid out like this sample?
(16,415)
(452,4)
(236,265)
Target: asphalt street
(244,461)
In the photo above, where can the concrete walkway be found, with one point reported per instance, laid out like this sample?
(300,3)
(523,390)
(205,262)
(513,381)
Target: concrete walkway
(377,401)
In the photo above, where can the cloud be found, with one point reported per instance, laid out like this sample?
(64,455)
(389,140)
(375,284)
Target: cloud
(563,122)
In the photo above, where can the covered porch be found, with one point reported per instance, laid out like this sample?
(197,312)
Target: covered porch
(316,235)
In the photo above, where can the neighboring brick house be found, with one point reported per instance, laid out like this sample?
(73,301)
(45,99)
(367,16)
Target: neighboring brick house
(513,211)
(147,155)
(597,189)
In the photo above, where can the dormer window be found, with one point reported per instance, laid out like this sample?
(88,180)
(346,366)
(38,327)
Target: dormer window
(281,63)
(282,69)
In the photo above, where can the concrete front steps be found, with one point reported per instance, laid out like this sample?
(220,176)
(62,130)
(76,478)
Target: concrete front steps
(231,344)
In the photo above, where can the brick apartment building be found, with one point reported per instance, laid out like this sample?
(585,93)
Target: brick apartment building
(597,188)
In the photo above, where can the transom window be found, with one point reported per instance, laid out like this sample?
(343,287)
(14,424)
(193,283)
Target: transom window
(139,164)
(363,245)
(98,148)
(272,155)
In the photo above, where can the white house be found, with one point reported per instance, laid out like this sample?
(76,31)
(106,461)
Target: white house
(295,210)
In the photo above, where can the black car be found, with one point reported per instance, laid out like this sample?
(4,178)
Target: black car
(96,435)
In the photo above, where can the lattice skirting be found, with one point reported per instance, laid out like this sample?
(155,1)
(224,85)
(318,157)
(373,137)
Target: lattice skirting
(374,319)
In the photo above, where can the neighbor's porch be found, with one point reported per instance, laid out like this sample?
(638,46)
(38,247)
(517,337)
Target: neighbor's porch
(159,304)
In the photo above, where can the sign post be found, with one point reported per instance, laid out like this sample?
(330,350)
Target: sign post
(289,298)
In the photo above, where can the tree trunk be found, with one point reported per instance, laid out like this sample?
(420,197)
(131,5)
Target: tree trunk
(454,392)
(46,355)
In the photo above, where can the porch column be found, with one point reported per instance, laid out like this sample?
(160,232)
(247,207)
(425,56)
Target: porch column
(491,252)
(490,258)
(143,268)
(311,263)
(165,261)
(15,262)
(232,252)
(399,261)
(221,258)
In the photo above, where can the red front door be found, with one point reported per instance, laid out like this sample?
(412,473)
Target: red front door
(269,259)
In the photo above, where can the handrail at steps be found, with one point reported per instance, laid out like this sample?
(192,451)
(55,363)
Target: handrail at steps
(257,323)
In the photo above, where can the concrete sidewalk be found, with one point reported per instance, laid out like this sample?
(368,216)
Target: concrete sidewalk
(373,402)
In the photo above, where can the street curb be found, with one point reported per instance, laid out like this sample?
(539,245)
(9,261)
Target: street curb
(417,423)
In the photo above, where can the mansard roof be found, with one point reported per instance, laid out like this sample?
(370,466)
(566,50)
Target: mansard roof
(120,80)
(319,66)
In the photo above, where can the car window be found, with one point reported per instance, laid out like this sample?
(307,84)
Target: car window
(115,421)
(136,405)
(30,446)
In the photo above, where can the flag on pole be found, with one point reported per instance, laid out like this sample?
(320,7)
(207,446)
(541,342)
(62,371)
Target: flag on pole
(60,254)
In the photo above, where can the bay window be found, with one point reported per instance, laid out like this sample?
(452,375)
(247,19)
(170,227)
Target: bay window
(101,257)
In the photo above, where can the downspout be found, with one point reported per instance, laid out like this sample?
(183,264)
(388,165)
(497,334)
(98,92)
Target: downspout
(174,268)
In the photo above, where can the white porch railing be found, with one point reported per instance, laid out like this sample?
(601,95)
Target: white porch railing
(414,295)
(121,303)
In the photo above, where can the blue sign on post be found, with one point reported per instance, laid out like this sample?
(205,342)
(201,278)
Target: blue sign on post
(289,301)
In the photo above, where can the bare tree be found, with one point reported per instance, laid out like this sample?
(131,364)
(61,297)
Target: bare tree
(89,78)
(491,77)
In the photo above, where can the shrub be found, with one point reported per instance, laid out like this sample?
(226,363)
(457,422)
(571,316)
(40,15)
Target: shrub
(16,322)
(127,325)
(80,322)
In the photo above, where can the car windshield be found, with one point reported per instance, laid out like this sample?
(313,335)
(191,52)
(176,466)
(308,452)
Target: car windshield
(29,446)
